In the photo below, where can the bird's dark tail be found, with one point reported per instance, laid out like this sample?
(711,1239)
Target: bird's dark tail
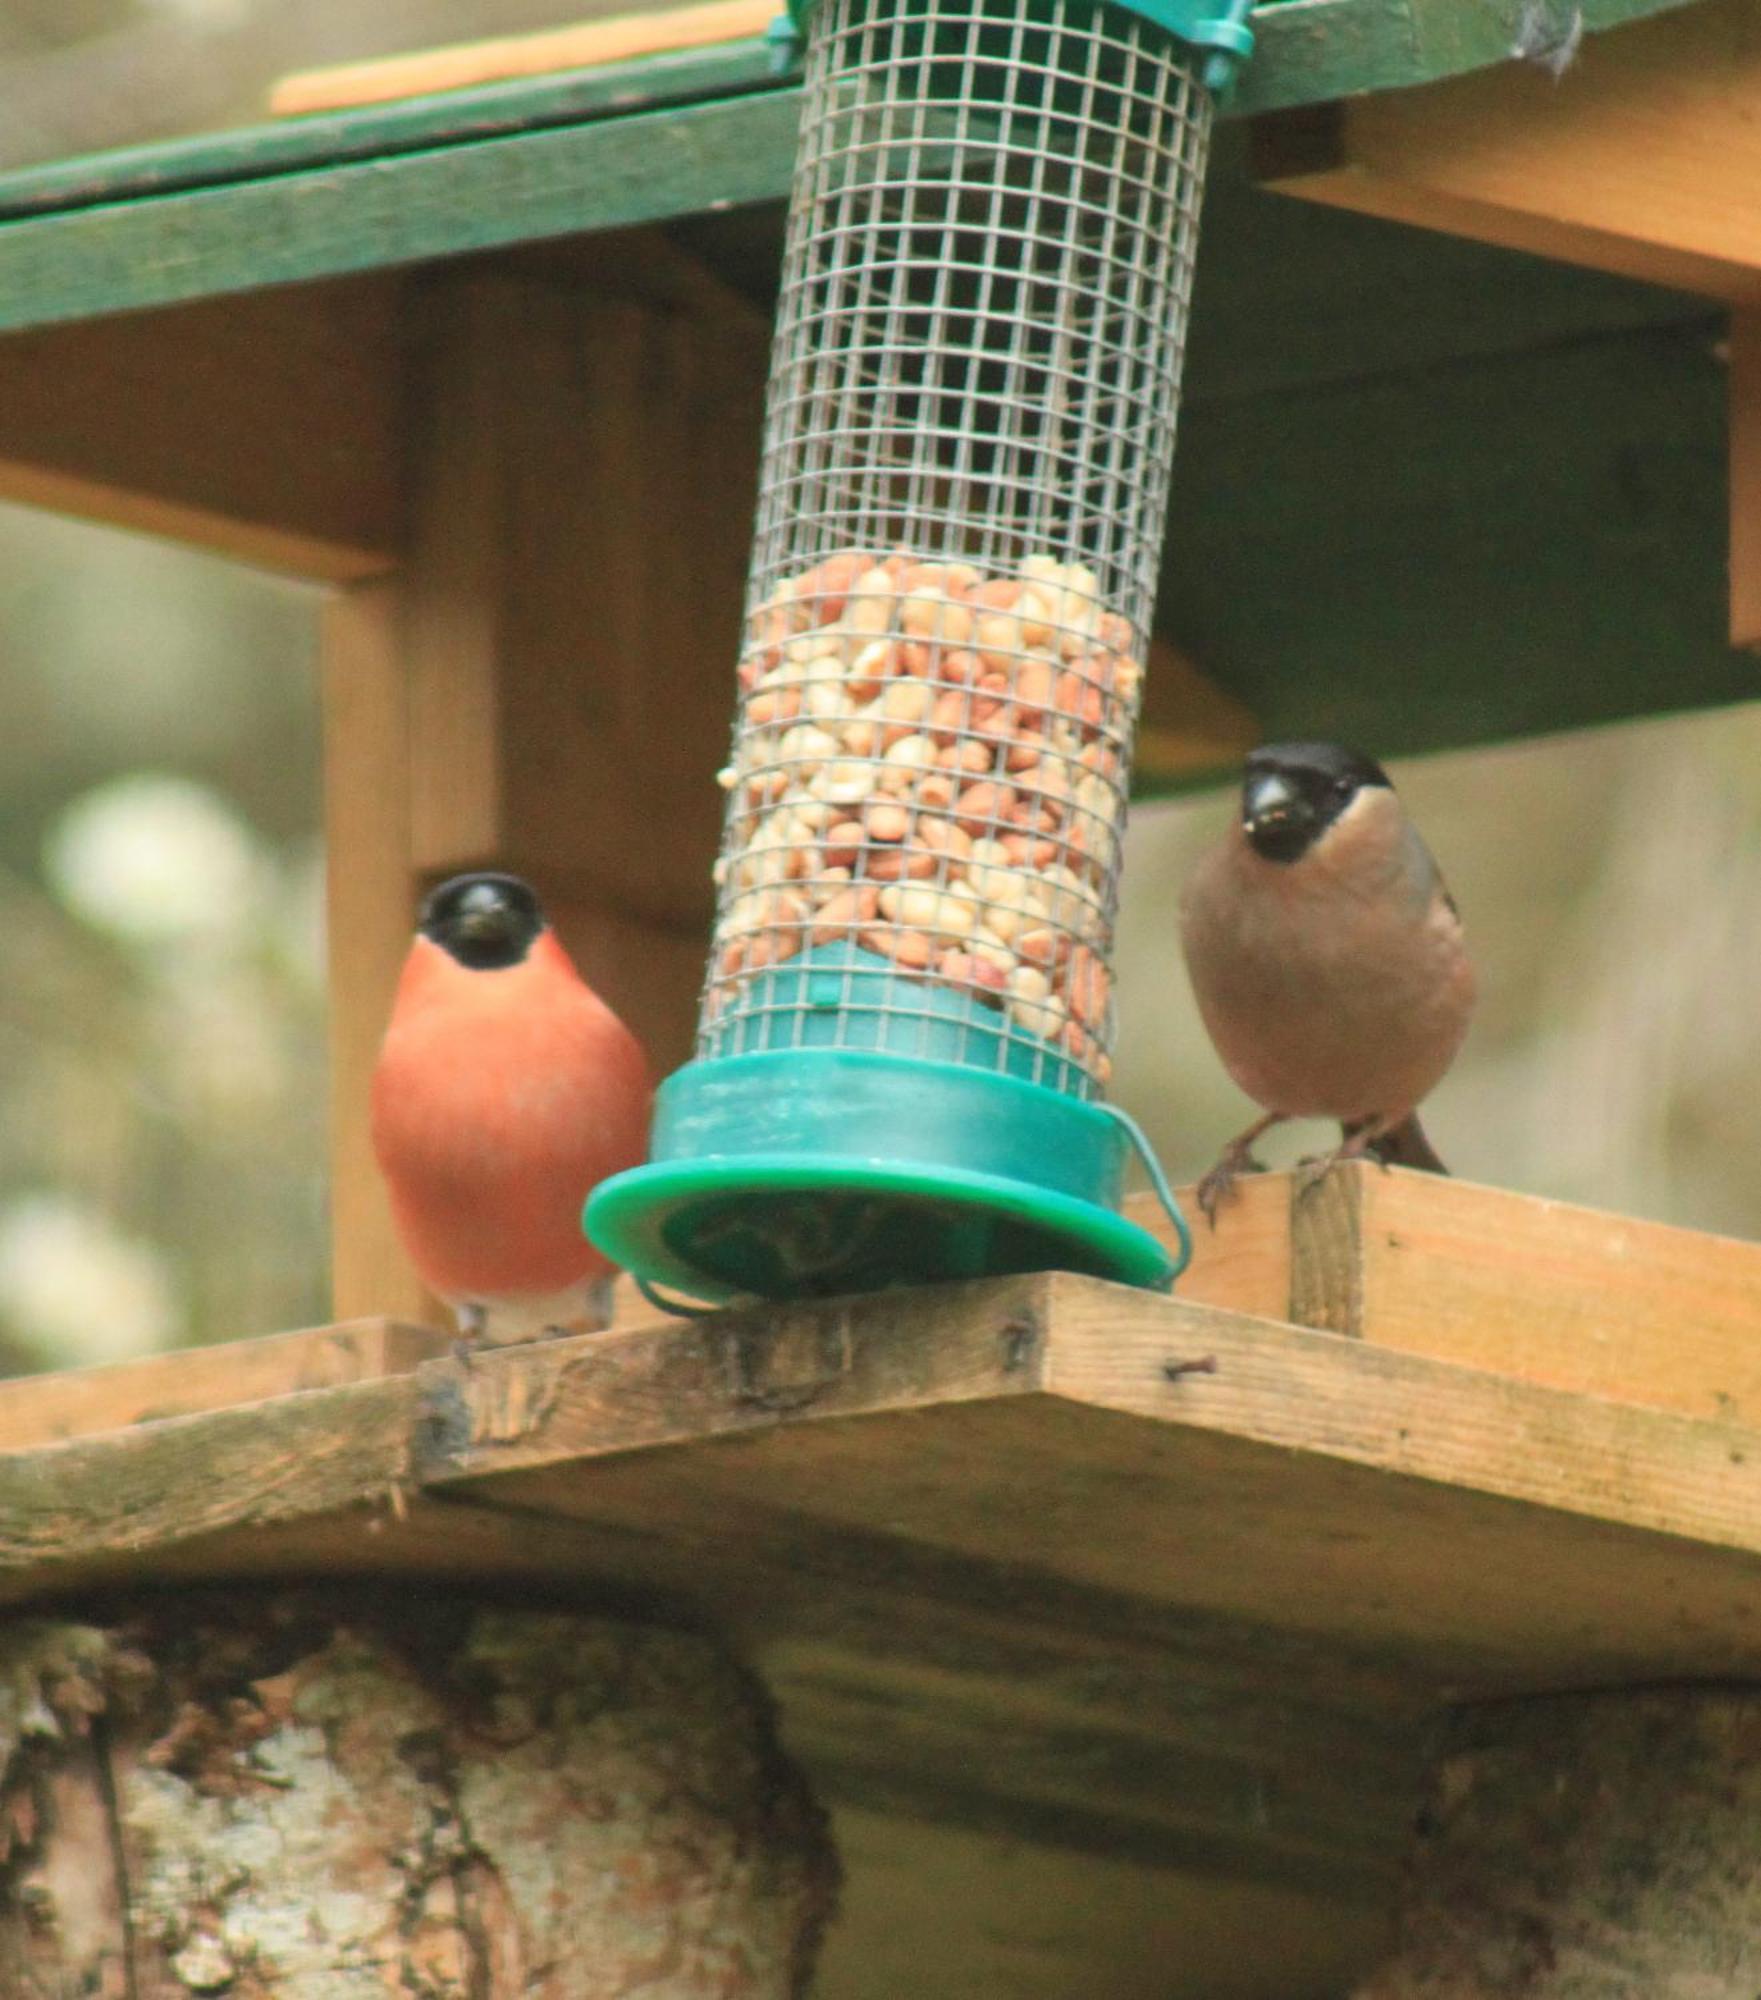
(1405,1146)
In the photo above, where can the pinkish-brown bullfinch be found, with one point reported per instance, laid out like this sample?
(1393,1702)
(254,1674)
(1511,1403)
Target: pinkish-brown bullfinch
(506,1091)
(1326,956)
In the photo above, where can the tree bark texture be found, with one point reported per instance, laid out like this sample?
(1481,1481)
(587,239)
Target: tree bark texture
(313,1796)
(1589,1847)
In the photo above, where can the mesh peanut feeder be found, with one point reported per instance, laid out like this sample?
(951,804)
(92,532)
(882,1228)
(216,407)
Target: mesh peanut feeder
(906,1030)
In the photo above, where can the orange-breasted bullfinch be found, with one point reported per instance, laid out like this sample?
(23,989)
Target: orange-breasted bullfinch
(506,1091)
(1326,956)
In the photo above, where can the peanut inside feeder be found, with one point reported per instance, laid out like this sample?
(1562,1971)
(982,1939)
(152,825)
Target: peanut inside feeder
(927,767)
(907,1023)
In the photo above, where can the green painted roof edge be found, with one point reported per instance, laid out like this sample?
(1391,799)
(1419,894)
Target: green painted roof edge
(626,144)
(378,131)
(1308,52)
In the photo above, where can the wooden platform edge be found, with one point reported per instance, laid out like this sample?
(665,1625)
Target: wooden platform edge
(39,1410)
(572,1402)
(1547,1292)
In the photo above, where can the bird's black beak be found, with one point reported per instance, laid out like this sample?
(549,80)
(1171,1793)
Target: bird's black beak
(1275,816)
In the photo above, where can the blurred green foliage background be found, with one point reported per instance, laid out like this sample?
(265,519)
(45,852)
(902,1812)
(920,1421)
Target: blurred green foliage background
(161,1011)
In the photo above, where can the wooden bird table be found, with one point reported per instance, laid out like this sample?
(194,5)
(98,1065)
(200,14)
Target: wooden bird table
(1115,1632)
(1168,1591)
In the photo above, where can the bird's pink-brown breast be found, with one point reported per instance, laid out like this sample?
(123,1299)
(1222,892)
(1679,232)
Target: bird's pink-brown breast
(502,1098)
(1337,985)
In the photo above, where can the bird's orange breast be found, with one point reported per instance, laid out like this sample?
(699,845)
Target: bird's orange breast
(502,1098)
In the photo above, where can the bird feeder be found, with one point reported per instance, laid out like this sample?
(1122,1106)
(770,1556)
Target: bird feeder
(905,1035)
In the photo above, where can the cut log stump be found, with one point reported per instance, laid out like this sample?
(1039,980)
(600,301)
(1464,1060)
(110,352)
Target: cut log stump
(314,1795)
(1588,1847)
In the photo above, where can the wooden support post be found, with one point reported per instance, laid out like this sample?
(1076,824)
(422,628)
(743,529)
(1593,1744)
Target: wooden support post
(547,685)
(307,1793)
(1588,1847)
(1745,476)
(583,510)
(369,898)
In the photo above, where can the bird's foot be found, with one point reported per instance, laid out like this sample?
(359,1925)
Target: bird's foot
(473,1325)
(1219,1184)
(1313,1168)
(1310,1172)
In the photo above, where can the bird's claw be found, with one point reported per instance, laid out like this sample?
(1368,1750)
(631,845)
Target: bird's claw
(1219,1184)
(1314,1168)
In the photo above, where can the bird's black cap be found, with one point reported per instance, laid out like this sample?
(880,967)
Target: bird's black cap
(487,922)
(1334,762)
(1292,792)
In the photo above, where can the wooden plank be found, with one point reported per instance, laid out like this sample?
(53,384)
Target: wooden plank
(1517,1285)
(1745,478)
(1327,1253)
(261,428)
(1437,1514)
(1038,1925)
(1542,1291)
(48,1409)
(1010,1579)
(370,907)
(1243,1265)
(1311,52)
(1598,1304)
(1004,1573)
(466,64)
(1535,1515)
(1637,159)
(1272,1763)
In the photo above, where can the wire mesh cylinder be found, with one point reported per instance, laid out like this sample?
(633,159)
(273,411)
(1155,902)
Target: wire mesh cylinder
(970,430)
(969,435)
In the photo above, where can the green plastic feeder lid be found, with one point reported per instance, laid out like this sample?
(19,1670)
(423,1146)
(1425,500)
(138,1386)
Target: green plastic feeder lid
(1222,37)
(810,1172)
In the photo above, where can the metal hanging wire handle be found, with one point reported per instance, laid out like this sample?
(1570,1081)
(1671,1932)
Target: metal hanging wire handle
(1159,1187)
(677,1307)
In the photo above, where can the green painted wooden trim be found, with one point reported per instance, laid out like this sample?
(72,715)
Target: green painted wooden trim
(488,111)
(1310,51)
(616,173)
(631,143)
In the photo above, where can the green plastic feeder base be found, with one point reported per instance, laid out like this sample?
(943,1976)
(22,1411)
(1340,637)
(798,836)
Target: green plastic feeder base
(806,1173)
